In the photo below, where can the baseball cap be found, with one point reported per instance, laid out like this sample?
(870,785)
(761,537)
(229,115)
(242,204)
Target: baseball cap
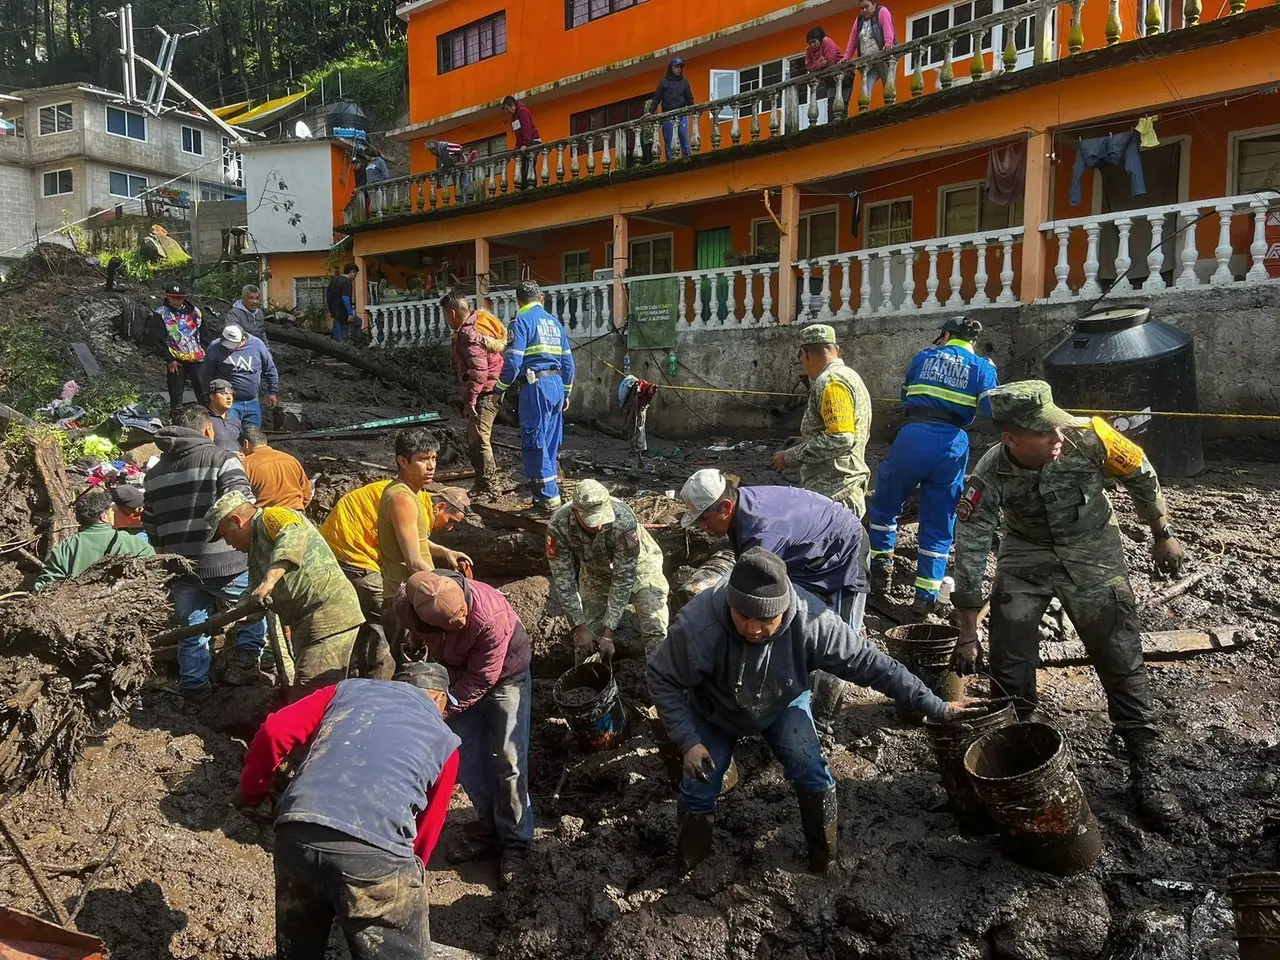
(592,503)
(127,495)
(701,491)
(174,290)
(220,386)
(456,497)
(222,508)
(1029,404)
(817,333)
(232,335)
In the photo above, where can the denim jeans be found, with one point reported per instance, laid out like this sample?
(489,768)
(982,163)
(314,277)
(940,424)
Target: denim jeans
(791,737)
(194,602)
(378,898)
(493,766)
(341,329)
(249,411)
(668,128)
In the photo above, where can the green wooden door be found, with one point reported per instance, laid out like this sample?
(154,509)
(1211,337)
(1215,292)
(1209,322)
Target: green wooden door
(711,251)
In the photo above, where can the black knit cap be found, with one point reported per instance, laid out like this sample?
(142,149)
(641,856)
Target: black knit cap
(425,675)
(758,586)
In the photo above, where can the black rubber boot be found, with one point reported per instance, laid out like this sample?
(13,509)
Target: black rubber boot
(881,574)
(925,607)
(1149,786)
(694,841)
(820,822)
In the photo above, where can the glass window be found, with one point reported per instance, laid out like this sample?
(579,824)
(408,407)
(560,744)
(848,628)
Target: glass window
(58,182)
(578,12)
(126,184)
(125,123)
(889,224)
(308,293)
(970,210)
(577,266)
(470,44)
(649,256)
(957,15)
(55,119)
(192,141)
(504,272)
(817,236)
(1258,164)
(487,147)
(609,115)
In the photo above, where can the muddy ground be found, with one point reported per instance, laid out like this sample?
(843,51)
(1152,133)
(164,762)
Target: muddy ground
(191,877)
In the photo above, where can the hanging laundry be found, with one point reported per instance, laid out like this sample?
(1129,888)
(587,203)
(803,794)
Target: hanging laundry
(1007,174)
(635,396)
(1146,128)
(1120,149)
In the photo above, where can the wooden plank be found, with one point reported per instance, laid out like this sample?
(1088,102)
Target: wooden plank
(87,360)
(1164,645)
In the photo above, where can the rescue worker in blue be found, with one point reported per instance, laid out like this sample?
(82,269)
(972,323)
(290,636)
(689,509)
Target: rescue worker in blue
(540,353)
(945,388)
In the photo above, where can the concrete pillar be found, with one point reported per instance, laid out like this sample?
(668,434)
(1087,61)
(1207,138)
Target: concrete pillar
(482,274)
(621,260)
(1035,207)
(788,252)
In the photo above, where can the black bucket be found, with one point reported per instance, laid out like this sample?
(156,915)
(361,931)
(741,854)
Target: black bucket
(588,697)
(950,743)
(925,649)
(1022,774)
(1255,900)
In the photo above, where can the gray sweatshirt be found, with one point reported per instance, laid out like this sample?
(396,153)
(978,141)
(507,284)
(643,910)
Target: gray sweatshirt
(705,667)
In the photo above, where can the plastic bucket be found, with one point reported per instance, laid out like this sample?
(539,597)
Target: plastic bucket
(925,649)
(588,697)
(1255,899)
(950,743)
(1022,774)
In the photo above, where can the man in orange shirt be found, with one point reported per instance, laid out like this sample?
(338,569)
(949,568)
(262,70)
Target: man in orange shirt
(278,479)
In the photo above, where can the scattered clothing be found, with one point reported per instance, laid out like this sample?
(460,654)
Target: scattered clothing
(636,395)
(834,431)
(1120,149)
(1007,173)
(278,479)
(248,367)
(95,542)
(137,417)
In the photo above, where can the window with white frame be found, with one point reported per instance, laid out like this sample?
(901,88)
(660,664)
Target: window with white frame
(929,22)
(968,209)
(730,83)
(58,182)
(648,256)
(193,141)
(126,123)
(126,184)
(888,224)
(817,236)
(1257,164)
(308,293)
(577,266)
(472,43)
(56,118)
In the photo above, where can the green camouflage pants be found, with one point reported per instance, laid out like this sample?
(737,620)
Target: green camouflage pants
(648,605)
(321,654)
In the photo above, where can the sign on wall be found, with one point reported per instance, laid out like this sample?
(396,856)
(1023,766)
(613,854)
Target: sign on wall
(654,308)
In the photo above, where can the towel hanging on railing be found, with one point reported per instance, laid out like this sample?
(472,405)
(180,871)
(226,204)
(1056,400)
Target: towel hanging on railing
(1007,173)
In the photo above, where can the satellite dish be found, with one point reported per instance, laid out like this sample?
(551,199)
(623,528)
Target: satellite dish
(302,131)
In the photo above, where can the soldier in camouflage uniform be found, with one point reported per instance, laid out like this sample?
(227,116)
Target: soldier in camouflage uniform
(290,563)
(1059,538)
(602,560)
(832,450)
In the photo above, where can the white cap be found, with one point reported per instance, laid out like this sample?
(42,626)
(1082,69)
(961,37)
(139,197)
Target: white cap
(704,489)
(232,335)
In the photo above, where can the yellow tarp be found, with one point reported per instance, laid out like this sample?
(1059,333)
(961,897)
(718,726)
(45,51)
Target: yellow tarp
(230,110)
(264,110)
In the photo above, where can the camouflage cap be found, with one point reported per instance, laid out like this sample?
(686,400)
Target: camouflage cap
(1028,404)
(592,504)
(814,334)
(222,508)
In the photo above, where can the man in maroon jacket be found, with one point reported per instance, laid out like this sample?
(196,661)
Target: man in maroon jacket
(470,628)
(527,139)
(478,343)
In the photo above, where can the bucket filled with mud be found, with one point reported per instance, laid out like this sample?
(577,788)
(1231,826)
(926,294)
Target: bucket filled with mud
(1255,900)
(950,744)
(1022,774)
(587,695)
(925,649)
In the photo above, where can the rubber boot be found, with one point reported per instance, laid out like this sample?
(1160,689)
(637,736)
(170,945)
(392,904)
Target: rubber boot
(694,841)
(820,823)
(1149,787)
(243,670)
(925,606)
(881,574)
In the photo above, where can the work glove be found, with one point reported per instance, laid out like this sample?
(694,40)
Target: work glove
(1168,556)
(967,658)
(698,763)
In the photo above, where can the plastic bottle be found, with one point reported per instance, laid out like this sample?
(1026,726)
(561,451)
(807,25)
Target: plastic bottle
(672,364)
(948,584)
(626,365)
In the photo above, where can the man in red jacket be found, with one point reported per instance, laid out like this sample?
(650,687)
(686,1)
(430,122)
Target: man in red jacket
(357,824)
(470,628)
(479,341)
(527,139)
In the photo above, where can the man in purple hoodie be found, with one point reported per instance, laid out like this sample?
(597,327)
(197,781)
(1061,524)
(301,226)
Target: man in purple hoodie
(471,628)
(245,362)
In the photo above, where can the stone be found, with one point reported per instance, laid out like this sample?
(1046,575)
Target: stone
(1070,923)
(1153,934)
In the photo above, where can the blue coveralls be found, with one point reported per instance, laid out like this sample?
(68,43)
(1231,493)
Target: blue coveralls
(943,390)
(539,349)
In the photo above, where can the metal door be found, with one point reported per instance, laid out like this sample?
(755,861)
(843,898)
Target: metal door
(711,251)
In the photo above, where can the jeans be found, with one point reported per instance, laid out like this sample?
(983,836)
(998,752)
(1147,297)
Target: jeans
(493,766)
(194,602)
(668,129)
(378,898)
(249,411)
(791,737)
(188,373)
(341,329)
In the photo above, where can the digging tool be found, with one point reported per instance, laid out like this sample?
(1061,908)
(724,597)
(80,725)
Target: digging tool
(277,648)
(243,611)
(37,877)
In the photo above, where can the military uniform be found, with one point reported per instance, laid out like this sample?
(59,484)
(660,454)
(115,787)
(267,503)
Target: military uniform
(832,450)
(597,575)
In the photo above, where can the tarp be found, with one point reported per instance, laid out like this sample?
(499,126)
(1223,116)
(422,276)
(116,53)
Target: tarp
(230,109)
(265,111)
(654,309)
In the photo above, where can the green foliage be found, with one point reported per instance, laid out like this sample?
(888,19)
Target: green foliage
(139,268)
(227,284)
(376,81)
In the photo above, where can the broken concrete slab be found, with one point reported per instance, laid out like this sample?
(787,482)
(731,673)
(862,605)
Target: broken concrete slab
(1156,646)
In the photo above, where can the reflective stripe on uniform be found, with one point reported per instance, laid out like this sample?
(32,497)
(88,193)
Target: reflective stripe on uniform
(881,553)
(883,529)
(923,583)
(941,393)
(933,553)
(544,350)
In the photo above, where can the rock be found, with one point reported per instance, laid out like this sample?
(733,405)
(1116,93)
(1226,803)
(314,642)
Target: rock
(1071,923)
(1153,934)
(1213,930)
(570,828)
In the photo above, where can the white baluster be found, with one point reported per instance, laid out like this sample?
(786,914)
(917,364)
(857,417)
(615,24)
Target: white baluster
(767,319)
(908,254)
(1061,291)
(1006,271)
(1124,256)
(749,298)
(606,161)
(824,306)
(806,271)
(1223,250)
(731,301)
(954,299)
(1155,257)
(582,306)
(931,282)
(682,306)
(1091,288)
(1258,249)
(1187,278)
(864,285)
(886,287)
(698,322)
(375,327)
(605,292)
(846,288)
(980,278)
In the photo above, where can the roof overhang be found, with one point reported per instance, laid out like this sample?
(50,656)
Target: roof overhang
(405,10)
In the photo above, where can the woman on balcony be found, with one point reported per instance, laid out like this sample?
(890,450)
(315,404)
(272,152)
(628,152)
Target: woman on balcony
(872,33)
(821,52)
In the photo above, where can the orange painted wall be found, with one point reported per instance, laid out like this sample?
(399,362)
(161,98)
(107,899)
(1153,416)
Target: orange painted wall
(344,180)
(284,267)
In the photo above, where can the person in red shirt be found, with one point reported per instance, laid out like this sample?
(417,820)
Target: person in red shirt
(527,139)
(479,340)
(356,825)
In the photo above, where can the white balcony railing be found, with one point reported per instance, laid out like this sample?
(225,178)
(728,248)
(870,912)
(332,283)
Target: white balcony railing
(724,298)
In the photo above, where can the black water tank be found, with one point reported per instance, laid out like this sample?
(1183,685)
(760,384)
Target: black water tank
(341,119)
(1120,359)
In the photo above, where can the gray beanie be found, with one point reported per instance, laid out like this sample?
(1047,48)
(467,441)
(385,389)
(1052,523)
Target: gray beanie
(758,586)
